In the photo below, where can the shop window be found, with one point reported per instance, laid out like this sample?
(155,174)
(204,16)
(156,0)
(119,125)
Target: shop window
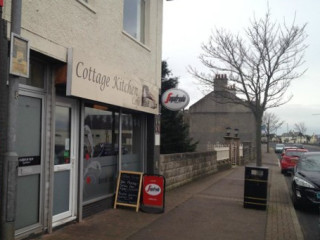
(101,149)
(132,142)
(134,18)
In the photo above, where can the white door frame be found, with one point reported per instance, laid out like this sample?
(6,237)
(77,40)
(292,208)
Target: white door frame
(71,214)
(37,169)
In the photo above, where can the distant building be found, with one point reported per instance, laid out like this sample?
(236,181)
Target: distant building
(210,116)
(293,137)
(315,139)
(275,138)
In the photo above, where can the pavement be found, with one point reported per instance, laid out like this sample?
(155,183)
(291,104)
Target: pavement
(208,208)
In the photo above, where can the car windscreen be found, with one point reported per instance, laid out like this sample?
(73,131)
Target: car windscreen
(310,164)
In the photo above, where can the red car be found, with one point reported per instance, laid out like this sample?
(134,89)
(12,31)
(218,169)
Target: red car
(290,157)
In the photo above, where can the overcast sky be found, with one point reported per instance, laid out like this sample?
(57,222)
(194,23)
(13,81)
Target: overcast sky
(189,23)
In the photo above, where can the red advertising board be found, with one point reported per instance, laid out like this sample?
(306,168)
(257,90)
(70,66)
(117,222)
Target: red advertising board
(1,3)
(153,190)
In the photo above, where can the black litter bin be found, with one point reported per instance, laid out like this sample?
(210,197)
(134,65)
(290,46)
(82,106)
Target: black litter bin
(256,187)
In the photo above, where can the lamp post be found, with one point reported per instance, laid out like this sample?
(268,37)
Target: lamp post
(228,131)
(236,132)
(10,168)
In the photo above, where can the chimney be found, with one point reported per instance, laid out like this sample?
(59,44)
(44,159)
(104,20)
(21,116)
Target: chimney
(220,82)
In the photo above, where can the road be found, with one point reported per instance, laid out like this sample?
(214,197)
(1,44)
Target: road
(309,217)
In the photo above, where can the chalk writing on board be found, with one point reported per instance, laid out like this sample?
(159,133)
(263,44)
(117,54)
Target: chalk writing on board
(128,189)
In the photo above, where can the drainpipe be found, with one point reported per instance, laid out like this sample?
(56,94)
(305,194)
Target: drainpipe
(11,157)
(3,99)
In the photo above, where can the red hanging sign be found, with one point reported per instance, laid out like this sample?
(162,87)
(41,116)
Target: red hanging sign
(153,190)
(1,3)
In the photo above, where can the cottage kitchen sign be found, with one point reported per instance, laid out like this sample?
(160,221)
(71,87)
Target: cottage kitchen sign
(175,99)
(95,79)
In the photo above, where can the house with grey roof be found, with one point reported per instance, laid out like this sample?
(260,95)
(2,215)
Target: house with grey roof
(214,113)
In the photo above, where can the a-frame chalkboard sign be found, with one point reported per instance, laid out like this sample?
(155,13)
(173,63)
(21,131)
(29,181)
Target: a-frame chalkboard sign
(128,189)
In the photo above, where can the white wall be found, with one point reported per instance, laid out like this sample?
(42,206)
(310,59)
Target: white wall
(95,30)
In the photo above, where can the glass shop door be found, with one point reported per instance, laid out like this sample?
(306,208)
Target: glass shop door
(65,161)
(30,151)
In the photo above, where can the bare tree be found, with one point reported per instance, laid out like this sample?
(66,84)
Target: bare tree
(272,123)
(300,128)
(260,67)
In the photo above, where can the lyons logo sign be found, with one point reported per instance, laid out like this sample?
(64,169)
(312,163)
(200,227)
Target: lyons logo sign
(175,99)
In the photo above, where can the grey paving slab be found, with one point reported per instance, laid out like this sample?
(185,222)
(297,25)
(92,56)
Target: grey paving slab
(215,213)
(282,220)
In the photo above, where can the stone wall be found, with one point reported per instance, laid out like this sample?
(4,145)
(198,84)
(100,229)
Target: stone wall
(249,152)
(182,168)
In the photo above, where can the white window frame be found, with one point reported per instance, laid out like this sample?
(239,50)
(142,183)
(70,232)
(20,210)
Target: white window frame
(141,11)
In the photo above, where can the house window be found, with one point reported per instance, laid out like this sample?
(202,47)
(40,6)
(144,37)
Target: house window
(134,18)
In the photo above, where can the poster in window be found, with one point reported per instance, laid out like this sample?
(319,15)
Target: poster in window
(19,56)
